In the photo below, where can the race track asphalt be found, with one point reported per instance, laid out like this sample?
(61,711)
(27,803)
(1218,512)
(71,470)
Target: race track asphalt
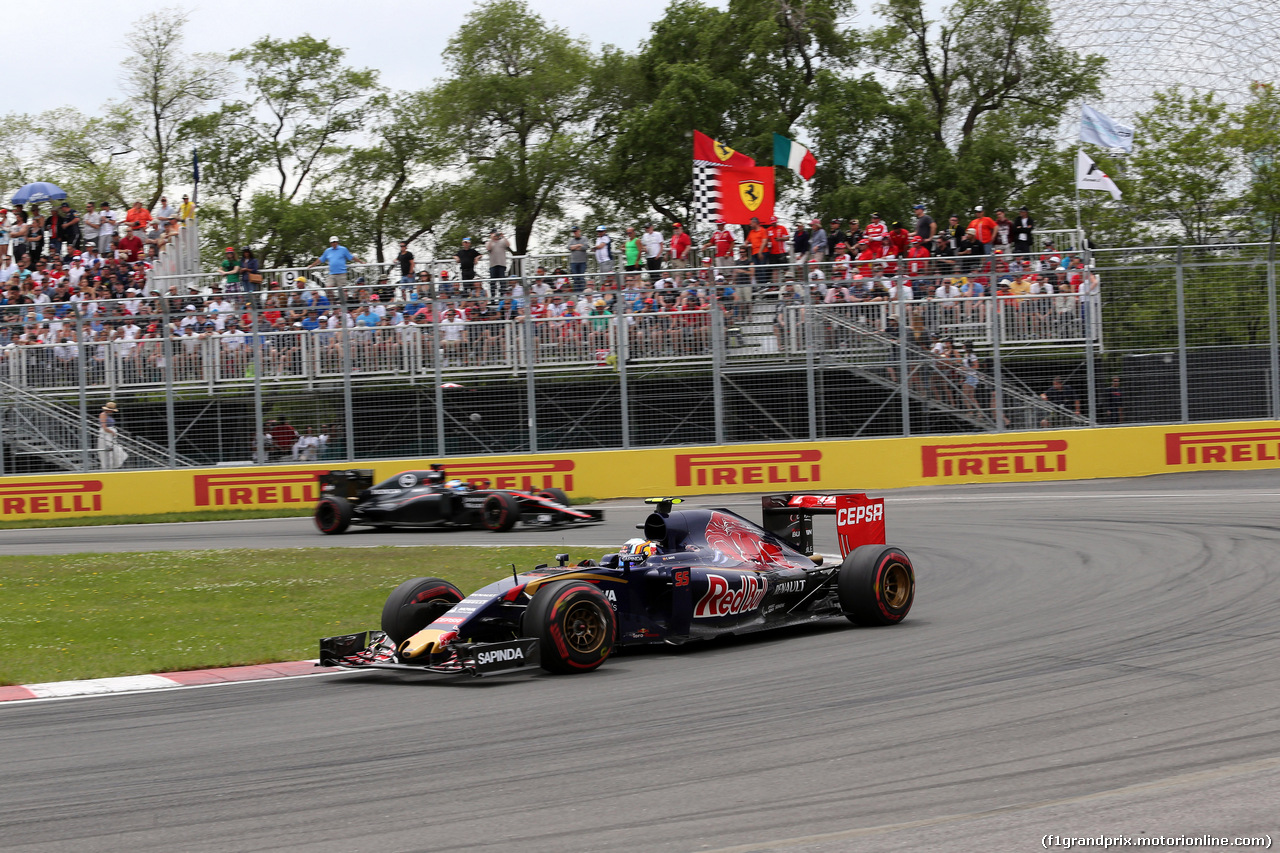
(1082,659)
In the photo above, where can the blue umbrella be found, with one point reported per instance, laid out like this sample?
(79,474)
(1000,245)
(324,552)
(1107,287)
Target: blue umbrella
(38,192)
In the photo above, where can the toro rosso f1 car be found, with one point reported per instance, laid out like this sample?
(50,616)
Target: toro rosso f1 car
(426,499)
(696,574)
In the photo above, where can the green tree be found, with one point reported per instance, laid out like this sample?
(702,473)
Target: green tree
(516,105)
(991,84)
(1256,135)
(232,154)
(165,87)
(1183,167)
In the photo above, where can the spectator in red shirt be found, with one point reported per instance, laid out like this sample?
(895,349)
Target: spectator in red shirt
(898,240)
(777,249)
(877,235)
(985,229)
(680,243)
(131,245)
(722,242)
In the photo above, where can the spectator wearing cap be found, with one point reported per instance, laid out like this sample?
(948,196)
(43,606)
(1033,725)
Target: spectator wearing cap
(499,251)
(835,236)
(577,249)
(653,244)
(800,243)
(680,243)
(106,230)
(186,210)
(632,250)
(603,249)
(819,246)
(877,236)
(137,218)
(985,229)
(466,258)
(1024,228)
(758,240)
(926,228)
(64,228)
(337,257)
(778,235)
(230,269)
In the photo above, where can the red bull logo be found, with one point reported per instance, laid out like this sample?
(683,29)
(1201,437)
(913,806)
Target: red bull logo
(78,496)
(985,458)
(525,476)
(751,468)
(292,487)
(722,599)
(1236,445)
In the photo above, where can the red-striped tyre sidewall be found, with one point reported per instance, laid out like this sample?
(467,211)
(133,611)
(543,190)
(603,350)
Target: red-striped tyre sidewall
(550,612)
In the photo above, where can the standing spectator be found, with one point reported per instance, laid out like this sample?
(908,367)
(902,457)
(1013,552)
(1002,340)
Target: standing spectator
(35,234)
(1004,233)
(250,277)
(164,213)
(721,244)
(778,234)
(758,240)
(631,250)
(110,453)
(800,243)
(137,218)
(926,228)
(604,250)
(64,229)
(1113,403)
(106,230)
(186,210)
(283,436)
(652,240)
(680,243)
(499,251)
(835,237)
(405,260)
(129,247)
(1024,228)
(898,241)
(230,269)
(578,257)
(1061,395)
(337,257)
(90,221)
(466,258)
(985,229)
(818,245)
(877,236)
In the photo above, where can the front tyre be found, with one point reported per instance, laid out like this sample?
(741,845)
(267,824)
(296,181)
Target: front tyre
(415,604)
(333,514)
(575,626)
(556,495)
(501,511)
(876,585)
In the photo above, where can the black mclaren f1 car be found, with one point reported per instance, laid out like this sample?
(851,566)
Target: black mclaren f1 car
(696,574)
(428,499)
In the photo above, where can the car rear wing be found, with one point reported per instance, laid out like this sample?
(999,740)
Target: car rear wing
(859,519)
(347,483)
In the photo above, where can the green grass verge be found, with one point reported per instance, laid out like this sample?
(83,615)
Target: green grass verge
(99,615)
(170,517)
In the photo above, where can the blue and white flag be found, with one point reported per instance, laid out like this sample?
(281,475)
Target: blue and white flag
(1090,177)
(1101,130)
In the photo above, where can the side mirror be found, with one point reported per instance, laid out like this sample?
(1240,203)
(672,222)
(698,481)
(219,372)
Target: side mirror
(609,562)
(562,559)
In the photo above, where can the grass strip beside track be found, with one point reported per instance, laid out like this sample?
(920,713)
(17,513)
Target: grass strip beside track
(100,615)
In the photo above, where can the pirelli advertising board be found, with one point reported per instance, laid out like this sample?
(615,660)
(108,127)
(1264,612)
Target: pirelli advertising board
(863,464)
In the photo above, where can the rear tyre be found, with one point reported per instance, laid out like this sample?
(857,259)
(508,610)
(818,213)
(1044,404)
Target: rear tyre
(556,495)
(876,584)
(501,511)
(575,626)
(415,604)
(333,514)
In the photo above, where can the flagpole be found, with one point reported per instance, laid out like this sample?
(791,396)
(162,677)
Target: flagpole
(1076,170)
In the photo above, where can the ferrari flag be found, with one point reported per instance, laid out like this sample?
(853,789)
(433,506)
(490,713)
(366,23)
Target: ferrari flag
(793,155)
(744,193)
(707,150)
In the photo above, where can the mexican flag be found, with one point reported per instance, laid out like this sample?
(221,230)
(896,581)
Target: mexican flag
(793,155)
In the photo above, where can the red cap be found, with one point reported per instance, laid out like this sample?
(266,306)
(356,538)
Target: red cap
(676,225)
(230,249)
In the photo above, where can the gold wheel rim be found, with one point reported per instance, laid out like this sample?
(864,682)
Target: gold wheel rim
(896,586)
(584,628)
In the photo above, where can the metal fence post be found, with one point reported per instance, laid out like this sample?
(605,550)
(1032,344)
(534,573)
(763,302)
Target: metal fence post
(1271,330)
(82,376)
(905,391)
(810,363)
(438,370)
(622,320)
(348,411)
(171,433)
(530,354)
(1185,405)
(259,446)
(717,364)
(997,375)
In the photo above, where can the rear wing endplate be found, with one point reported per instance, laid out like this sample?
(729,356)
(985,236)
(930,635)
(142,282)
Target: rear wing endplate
(859,519)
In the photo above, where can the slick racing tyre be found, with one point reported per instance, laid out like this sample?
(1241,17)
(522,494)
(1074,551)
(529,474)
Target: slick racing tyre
(333,514)
(415,604)
(876,584)
(501,511)
(575,626)
(556,495)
